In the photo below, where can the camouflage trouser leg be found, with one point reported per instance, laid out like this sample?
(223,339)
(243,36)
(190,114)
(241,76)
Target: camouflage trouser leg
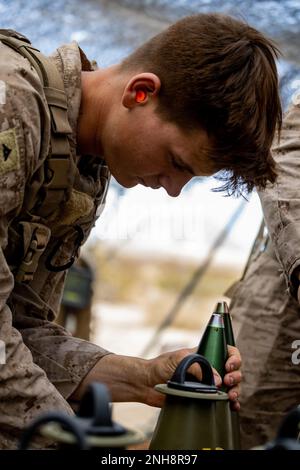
(25,391)
(270,324)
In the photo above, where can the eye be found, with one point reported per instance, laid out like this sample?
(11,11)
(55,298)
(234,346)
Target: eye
(177,165)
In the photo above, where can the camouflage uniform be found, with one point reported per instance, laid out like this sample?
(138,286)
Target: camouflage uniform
(44,363)
(270,316)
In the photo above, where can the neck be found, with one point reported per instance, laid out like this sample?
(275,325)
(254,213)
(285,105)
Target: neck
(94,110)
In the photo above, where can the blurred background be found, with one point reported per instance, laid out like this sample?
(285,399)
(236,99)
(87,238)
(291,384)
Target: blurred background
(157,265)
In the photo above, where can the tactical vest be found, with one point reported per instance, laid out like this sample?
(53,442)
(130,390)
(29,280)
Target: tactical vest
(30,231)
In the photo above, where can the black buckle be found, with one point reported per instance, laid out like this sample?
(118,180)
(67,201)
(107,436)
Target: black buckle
(58,269)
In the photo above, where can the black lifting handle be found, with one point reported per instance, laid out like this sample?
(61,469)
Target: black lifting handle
(178,379)
(95,413)
(288,434)
(66,421)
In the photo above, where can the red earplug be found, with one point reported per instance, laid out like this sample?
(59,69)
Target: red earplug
(140,96)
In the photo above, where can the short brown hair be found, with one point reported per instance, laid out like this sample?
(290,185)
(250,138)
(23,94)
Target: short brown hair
(219,73)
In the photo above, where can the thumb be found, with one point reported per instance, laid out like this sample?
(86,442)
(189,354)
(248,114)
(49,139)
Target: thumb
(217,377)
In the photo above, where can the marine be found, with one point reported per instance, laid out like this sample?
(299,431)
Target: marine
(171,110)
(266,301)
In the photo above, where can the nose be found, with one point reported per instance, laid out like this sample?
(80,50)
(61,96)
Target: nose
(174,184)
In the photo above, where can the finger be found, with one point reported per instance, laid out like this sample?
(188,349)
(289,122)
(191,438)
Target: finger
(235,405)
(233,378)
(218,380)
(196,371)
(234,393)
(234,361)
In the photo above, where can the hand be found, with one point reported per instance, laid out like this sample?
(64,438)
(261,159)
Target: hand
(233,377)
(162,368)
(133,379)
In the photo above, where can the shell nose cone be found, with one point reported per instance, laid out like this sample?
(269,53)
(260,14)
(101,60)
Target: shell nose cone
(221,308)
(216,321)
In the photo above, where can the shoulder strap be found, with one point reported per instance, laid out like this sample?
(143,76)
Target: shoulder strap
(59,172)
(32,237)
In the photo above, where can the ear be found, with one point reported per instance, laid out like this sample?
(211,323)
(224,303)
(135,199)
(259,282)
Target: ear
(149,83)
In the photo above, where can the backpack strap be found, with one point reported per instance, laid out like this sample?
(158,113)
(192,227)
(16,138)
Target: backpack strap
(59,168)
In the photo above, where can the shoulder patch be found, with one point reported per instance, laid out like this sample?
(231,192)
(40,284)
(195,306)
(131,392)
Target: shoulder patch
(9,152)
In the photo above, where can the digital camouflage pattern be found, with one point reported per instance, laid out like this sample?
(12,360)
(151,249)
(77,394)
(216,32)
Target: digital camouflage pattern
(270,316)
(44,363)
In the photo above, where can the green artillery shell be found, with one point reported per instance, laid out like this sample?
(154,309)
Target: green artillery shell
(213,343)
(222,309)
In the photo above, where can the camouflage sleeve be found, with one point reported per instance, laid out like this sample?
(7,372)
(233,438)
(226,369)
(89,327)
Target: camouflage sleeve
(281,202)
(65,359)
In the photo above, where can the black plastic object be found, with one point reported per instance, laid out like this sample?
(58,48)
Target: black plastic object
(78,287)
(94,415)
(93,419)
(288,433)
(283,444)
(68,422)
(78,240)
(179,382)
